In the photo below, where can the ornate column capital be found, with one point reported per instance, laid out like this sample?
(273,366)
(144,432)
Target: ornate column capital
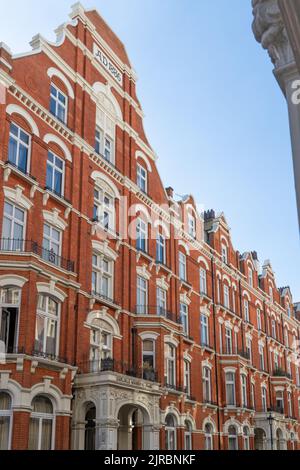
(269,30)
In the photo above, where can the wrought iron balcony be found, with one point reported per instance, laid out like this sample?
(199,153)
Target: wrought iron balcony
(159,311)
(49,356)
(15,245)
(278,372)
(120,367)
(103,296)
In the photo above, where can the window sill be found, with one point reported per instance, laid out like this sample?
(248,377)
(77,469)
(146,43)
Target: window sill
(58,197)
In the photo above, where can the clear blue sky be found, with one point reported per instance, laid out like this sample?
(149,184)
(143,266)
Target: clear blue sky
(214,113)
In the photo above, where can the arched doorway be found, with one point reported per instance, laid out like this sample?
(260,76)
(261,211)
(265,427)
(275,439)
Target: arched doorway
(90,428)
(259,439)
(134,432)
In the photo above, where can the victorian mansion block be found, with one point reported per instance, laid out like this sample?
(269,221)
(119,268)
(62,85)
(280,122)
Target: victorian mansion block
(127,319)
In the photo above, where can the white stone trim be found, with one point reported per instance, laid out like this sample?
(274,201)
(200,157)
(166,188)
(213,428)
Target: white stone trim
(51,289)
(100,88)
(143,272)
(171,340)
(14,108)
(209,420)
(142,156)
(97,176)
(12,280)
(161,282)
(106,318)
(103,248)
(185,246)
(151,335)
(17,197)
(54,72)
(53,138)
(246,294)
(53,219)
(201,259)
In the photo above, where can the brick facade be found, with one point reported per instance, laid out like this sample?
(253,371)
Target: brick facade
(228,378)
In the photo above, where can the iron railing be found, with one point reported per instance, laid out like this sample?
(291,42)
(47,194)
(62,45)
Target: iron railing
(15,245)
(278,372)
(103,296)
(120,367)
(156,310)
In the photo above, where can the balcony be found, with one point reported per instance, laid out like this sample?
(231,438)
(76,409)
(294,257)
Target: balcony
(49,356)
(145,310)
(119,367)
(276,409)
(17,246)
(103,297)
(281,373)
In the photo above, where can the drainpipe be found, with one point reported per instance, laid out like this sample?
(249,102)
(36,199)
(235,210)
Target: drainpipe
(215,346)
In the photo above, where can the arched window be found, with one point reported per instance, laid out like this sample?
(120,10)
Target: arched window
(170,365)
(187,377)
(58,103)
(208,437)
(224,252)
(232,438)
(226,296)
(90,428)
(41,427)
(246,437)
(206,384)
(244,391)
(188,442)
(5,421)
(142,178)
(10,298)
(250,277)
(279,440)
(170,429)
(286,337)
(273,326)
(47,323)
(264,399)
(101,346)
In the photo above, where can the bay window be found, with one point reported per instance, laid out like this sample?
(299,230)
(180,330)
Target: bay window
(5,420)
(230,388)
(41,426)
(170,365)
(47,323)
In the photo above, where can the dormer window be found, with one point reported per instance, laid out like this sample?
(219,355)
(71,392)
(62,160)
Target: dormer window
(224,254)
(58,103)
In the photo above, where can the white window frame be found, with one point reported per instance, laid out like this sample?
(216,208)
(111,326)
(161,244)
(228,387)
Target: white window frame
(99,273)
(250,277)
(161,301)
(228,340)
(258,316)
(55,168)
(141,234)
(13,244)
(170,363)
(191,226)
(101,141)
(246,310)
(261,353)
(264,402)
(141,293)
(105,212)
(244,394)
(203,281)
(48,317)
(160,248)
(142,178)
(204,330)
(19,142)
(230,383)
(224,253)
(47,417)
(206,384)
(182,266)
(187,376)
(52,242)
(184,317)
(226,293)
(168,432)
(8,414)
(59,103)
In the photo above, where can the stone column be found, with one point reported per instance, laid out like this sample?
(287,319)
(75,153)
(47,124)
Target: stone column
(107,434)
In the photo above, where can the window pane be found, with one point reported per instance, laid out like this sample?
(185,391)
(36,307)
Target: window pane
(12,151)
(33,434)
(46,434)
(4,432)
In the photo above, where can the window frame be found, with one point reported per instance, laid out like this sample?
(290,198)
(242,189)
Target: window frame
(140,178)
(19,142)
(54,168)
(57,103)
(13,221)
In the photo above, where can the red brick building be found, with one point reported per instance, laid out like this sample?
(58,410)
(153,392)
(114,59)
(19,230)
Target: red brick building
(128,320)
